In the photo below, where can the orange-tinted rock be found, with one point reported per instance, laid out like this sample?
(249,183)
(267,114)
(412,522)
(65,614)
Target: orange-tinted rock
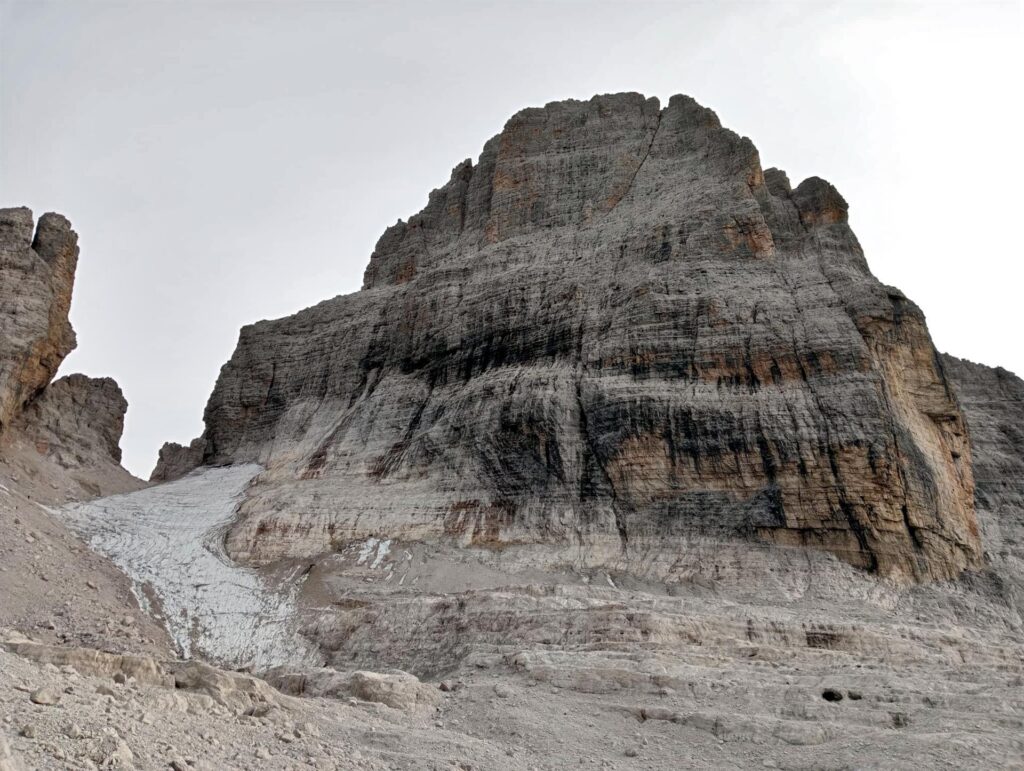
(613,332)
(36,278)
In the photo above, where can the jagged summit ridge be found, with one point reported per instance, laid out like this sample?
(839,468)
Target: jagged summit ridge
(614,334)
(520,182)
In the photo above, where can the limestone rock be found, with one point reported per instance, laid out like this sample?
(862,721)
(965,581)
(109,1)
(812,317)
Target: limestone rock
(614,332)
(993,403)
(46,697)
(396,689)
(78,420)
(176,460)
(36,278)
(86,661)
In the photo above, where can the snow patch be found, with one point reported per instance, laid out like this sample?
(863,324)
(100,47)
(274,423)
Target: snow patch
(367,549)
(382,551)
(170,538)
(382,547)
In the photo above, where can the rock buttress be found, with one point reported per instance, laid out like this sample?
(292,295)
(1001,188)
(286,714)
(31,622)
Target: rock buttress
(37,273)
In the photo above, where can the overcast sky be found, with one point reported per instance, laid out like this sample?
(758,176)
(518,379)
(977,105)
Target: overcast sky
(229,162)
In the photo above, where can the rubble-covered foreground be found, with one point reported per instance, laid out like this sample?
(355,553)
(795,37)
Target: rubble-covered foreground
(717,683)
(441,657)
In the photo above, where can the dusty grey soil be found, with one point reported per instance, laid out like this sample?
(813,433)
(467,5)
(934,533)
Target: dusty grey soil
(52,585)
(514,664)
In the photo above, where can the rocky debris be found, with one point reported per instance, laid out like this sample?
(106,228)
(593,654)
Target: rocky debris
(236,691)
(52,584)
(86,661)
(396,689)
(46,697)
(614,333)
(175,460)
(121,757)
(36,278)
(748,689)
(7,761)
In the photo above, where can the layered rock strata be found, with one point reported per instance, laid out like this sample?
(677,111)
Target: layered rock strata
(176,460)
(37,273)
(78,420)
(993,404)
(617,333)
(59,442)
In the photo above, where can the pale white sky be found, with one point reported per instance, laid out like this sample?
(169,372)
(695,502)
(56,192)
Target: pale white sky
(234,161)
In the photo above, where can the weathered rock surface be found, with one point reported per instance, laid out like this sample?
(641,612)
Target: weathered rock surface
(59,442)
(36,278)
(615,333)
(78,420)
(7,761)
(396,689)
(993,403)
(175,460)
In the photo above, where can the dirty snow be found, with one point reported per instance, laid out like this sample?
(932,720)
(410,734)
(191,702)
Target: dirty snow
(169,540)
(382,547)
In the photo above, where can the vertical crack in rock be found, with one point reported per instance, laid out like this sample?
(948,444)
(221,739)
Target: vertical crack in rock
(752,378)
(643,160)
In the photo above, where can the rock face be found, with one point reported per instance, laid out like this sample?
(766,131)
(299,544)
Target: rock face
(176,460)
(616,333)
(58,443)
(993,403)
(78,420)
(36,277)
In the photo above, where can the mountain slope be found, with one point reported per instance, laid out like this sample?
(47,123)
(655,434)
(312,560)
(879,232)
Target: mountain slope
(617,334)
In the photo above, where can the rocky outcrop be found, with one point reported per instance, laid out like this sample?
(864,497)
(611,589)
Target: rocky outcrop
(396,689)
(615,333)
(993,403)
(77,420)
(37,273)
(175,460)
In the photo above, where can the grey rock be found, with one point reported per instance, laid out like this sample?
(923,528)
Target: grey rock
(78,420)
(45,697)
(396,689)
(176,460)
(993,403)
(36,278)
(7,760)
(616,333)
